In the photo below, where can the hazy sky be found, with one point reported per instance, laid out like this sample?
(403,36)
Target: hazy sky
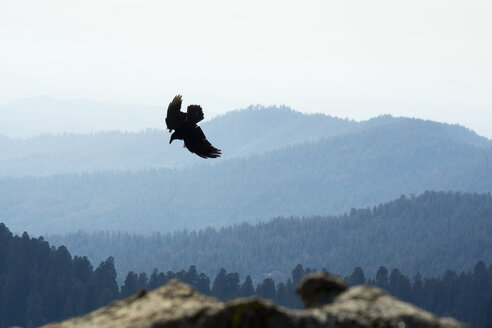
(355,59)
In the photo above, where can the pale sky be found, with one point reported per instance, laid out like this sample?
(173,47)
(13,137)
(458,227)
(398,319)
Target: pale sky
(356,59)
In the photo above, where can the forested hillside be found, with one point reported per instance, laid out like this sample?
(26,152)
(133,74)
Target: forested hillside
(41,284)
(239,133)
(329,176)
(428,234)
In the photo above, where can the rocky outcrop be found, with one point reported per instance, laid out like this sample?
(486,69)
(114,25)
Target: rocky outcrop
(331,304)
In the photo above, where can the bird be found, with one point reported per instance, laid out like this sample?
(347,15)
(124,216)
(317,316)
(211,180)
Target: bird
(185,128)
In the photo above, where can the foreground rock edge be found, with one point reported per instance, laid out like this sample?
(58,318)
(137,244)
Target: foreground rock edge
(179,305)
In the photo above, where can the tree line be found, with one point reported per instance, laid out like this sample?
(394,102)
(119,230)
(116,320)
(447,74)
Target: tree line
(448,230)
(466,296)
(40,283)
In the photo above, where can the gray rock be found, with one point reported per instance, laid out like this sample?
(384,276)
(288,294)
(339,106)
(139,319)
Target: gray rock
(318,289)
(179,305)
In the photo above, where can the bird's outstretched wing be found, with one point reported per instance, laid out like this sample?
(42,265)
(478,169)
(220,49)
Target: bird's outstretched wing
(197,143)
(175,117)
(194,113)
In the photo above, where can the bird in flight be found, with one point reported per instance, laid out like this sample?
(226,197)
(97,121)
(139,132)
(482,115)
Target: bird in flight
(185,128)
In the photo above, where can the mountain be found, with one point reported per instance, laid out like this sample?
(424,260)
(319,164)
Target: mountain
(258,129)
(33,116)
(332,175)
(240,133)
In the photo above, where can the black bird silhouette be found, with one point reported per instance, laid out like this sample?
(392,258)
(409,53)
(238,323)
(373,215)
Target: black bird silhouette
(185,128)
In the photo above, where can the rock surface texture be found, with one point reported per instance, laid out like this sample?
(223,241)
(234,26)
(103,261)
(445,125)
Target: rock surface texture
(179,305)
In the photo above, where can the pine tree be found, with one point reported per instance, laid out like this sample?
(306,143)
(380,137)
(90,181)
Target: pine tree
(219,285)
(297,274)
(247,289)
(357,277)
(130,286)
(266,289)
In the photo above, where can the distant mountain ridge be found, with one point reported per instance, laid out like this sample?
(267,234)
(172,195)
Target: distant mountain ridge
(331,175)
(257,129)
(240,133)
(39,115)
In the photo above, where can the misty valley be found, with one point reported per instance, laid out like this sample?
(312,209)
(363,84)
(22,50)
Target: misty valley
(244,164)
(398,203)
